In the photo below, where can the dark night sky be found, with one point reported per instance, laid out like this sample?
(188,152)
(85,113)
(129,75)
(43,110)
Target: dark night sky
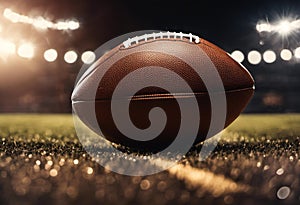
(228,24)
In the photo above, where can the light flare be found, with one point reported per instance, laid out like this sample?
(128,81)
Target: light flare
(285,26)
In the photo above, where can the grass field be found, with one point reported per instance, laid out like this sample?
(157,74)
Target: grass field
(255,162)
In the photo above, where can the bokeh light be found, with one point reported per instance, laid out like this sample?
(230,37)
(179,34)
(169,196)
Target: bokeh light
(26,50)
(254,57)
(269,56)
(73,25)
(41,23)
(7,47)
(273,99)
(50,55)
(297,52)
(238,56)
(88,57)
(286,55)
(283,192)
(263,27)
(61,26)
(70,57)
(9,14)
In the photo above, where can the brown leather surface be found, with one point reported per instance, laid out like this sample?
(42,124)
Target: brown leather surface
(234,76)
(135,61)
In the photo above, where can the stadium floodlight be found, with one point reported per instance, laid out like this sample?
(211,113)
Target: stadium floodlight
(263,27)
(70,57)
(9,14)
(73,25)
(284,27)
(26,50)
(238,56)
(40,22)
(254,57)
(61,26)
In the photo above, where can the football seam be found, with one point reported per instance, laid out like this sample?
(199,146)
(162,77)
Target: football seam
(163,96)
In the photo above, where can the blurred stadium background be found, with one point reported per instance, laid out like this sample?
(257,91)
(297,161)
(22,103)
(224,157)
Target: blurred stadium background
(43,44)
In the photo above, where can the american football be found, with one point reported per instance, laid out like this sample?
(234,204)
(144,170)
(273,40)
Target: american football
(176,52)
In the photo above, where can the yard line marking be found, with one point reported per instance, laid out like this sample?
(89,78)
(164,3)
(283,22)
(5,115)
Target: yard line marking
(197,178)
